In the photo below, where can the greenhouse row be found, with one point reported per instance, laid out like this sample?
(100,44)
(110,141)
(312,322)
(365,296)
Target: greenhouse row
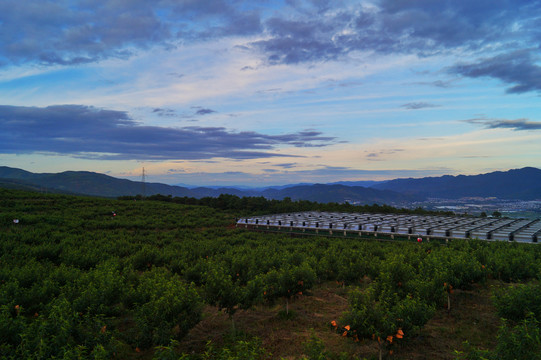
(422,226)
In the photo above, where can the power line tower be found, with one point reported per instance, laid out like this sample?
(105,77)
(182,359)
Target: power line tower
(143,183)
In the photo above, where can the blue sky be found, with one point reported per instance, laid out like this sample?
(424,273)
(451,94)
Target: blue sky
(260,93)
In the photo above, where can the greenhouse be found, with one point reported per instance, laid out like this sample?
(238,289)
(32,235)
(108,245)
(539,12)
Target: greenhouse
(398,225)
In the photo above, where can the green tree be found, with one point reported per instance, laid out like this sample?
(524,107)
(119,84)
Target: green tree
(287,282)
(222,291)
(384,316)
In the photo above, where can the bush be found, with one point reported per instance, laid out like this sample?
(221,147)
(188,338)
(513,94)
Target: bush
(170,308)
(515,303)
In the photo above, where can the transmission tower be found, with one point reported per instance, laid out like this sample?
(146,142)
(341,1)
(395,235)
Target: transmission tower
(143,183)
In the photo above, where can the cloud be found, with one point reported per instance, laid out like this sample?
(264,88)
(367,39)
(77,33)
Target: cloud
(418,105)
(273,90)
(517,125)
(286,165)
(382,154)
(437,83)
(296,41)
(176,75)
(204,111)
(63,33)
(92,133)
(420,27)
(164,112)
(78,32)
(517,68)
(236,24)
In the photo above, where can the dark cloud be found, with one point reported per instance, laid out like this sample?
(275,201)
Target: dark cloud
(73,33)
(88,132)
(418,105)
(517,68)
(238,24)
(65,33)
(437,83)
(295,41)
(307,138)
(203,111)
(274,90)
(164,112)
(381,155)
(176,75)
(286,165)
(517,125)
(78,32)
(422,27)
(336,168)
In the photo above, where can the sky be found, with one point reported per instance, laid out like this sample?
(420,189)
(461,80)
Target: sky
(257,93)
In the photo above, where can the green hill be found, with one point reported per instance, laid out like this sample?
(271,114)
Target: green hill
(87,278)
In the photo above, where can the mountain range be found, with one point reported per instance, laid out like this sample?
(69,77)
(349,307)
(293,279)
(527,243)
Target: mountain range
(519,184)
(516,184)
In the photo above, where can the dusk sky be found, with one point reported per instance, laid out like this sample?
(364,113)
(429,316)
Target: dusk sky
(261,93)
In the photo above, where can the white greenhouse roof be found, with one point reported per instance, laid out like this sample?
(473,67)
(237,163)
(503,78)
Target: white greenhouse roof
(426,226)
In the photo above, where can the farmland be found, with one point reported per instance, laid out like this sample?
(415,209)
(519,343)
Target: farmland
(98,278)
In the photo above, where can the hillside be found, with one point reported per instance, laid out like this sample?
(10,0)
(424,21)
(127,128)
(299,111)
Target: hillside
(337,193)
(95,184)
(523,184)
(157,280)
(519,184)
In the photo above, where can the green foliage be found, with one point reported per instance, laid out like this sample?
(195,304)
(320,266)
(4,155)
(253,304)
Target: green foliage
(519,337)
(99,291)
(375,315)
(76,282)
(314,349)
(287,282)
(512,262)
(239,350)
(515,303)
(168,309)
(221,290)
(520,342)
(384,316)
(515,342)
(261,205)
(61,332)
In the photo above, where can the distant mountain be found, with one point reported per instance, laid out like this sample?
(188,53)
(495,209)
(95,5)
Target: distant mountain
(363,183)
(244,187)
(337,193)
(86,183)
(519,184)
(95,184)
(22,185)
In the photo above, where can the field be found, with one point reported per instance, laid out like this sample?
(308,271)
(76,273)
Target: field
(90,278)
